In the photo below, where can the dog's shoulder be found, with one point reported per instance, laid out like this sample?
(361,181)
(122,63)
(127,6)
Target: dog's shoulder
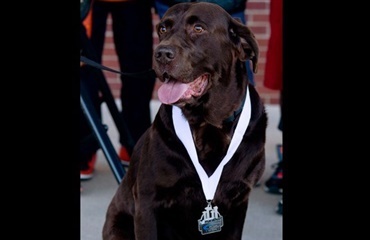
(259,119)
(163,116)
(257,105)
(160,137)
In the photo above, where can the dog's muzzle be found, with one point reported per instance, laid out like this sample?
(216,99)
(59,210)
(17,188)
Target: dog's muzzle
(164,54)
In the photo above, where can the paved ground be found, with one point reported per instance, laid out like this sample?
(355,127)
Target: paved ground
(262,223)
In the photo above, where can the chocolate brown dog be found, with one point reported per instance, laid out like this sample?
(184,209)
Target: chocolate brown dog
(192,171)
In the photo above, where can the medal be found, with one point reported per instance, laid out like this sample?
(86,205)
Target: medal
(211,220)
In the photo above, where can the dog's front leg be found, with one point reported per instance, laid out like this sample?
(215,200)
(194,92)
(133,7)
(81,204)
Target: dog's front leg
(145,222)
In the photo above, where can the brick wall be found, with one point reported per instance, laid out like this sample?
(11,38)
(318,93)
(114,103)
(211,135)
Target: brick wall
(257,14)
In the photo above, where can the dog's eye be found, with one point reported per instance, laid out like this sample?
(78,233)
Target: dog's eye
(162,29)
(198,29)
(233,34)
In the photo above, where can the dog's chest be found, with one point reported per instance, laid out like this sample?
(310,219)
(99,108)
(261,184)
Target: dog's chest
(211,144)
(184,190)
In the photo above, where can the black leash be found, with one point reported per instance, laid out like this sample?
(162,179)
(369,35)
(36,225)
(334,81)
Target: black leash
(144,74)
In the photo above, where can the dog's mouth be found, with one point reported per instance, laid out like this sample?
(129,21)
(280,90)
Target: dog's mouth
(173,91)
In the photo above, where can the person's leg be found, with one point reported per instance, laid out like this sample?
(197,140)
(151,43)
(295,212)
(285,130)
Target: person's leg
(280,125)
(92,48)
(88,143)
(275,183)
(133,29)
(100,11)
(279,207)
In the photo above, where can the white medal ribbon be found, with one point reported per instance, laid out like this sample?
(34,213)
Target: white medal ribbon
(182,130)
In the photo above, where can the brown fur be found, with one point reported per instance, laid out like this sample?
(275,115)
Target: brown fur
(161,195)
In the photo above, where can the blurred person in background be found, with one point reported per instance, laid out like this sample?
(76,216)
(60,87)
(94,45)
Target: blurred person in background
(273,79)
(88,143)
(133,40)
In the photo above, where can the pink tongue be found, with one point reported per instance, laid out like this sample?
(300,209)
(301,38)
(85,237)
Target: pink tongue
(171,92)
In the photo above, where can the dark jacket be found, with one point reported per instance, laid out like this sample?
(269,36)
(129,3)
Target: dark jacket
(231,6)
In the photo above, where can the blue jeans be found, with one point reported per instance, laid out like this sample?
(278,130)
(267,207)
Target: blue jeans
(162,8)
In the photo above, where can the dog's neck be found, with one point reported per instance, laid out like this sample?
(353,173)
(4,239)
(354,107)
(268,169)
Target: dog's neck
(236,113)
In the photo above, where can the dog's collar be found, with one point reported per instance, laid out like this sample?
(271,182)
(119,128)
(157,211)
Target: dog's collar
(236,113)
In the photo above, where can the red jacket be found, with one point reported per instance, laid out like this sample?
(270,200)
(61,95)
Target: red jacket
(274,56)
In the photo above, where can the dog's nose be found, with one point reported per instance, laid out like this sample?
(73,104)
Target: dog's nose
(164,54)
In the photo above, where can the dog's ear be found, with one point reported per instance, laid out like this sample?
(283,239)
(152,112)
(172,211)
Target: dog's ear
(248,42)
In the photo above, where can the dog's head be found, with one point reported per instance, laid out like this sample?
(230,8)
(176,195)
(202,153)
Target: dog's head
(201,47)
